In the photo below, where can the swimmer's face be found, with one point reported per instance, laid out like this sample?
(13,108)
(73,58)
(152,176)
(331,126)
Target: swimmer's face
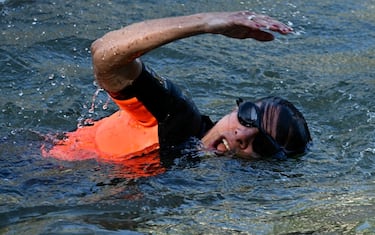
(229,136)
(251,130)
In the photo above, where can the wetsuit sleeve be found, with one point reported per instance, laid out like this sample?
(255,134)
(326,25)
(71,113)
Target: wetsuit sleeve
(178,117)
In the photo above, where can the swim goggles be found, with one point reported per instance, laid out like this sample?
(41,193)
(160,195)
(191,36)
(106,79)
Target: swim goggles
(249,115)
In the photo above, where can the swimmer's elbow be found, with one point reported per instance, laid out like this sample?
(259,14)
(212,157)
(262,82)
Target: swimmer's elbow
(103,63)
(102,72)
(98,54)
(111,72)
(114,67)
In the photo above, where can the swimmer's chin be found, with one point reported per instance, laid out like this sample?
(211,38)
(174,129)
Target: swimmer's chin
(217,153)
(214,151)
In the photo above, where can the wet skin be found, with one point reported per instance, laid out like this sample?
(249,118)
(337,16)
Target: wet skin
(229,136)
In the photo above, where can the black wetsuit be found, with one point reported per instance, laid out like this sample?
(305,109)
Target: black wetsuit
(178,117)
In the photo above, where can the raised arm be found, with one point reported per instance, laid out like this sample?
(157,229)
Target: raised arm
(115,54)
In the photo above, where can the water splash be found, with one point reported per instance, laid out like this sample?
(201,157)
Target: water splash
(92,108)
(83,120)
(105,105)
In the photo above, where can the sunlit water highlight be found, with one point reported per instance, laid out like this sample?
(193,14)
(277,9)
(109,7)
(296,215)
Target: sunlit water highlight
(326,68)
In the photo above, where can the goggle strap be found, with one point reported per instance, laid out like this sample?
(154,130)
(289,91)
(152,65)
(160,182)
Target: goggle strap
(239,101)
(281,155)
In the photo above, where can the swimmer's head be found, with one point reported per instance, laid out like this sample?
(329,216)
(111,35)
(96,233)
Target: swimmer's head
(285,124)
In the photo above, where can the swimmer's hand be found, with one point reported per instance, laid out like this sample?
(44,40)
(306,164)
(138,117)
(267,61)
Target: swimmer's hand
(245,24)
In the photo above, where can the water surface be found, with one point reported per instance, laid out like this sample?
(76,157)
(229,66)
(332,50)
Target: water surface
(326,68)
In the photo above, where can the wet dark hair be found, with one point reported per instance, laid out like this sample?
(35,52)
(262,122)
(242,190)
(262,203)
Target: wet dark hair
(285,123)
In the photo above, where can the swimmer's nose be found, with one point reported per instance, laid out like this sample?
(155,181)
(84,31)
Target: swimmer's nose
(245,136)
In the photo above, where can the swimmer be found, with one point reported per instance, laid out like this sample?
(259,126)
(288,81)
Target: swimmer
(155,115)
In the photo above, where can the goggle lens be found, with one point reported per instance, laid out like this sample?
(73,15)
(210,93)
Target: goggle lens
(249,115)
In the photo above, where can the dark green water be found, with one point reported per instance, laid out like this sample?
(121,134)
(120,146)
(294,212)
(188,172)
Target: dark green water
(326,68)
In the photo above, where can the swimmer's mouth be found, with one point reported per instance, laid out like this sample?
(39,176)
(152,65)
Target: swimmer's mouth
(226,144)
(221,146)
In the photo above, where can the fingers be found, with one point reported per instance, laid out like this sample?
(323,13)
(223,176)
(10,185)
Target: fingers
(262,36)
(245,24)
(259,21)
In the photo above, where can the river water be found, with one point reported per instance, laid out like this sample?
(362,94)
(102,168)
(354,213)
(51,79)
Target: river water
(326,67)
